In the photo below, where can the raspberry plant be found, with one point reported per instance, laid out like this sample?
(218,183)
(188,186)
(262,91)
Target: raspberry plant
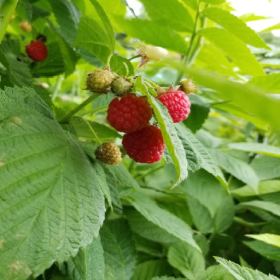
(137,146)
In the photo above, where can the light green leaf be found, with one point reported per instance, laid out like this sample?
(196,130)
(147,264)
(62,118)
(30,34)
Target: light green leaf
(94,39)
(274,27)
(243,273)
(153,33)
(214,2)
(17,71)
(211,206)
(149,269)
(162,12)
(267,167)
(236,26)
(88,264)
(263,205)
(121,65)
(7,8)
(170,137)
(238,168)
(167,278)
(191,3)
(234,48)
(256,148)
(268,238)
(67,16)
(252,17)
(269,83)
(162,218)
(68,54)
(249,99)
(200,152)
(264,187)
(61,206)
(187,259)
(217,272)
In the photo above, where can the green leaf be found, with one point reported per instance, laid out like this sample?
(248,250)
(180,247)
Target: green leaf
(198,115)
(264,187)
(268,238)
(68,54)
(119,251)
(200,152)
(67,16)
(162,12)
(252,17)
(167,278)
(211,206)
(162,218)
(121,65)
(7,8)
(262,205)
(53,65)
(61,206)
(187,259)
(268,251)
(170,137)
(94,39)
(266,167)
(147,229)
(214,2)
(234,48)
(274,27)
(153,33)
(244,273)
(149,269)
(238,168)
(191,3)
(103,132)
(236,26)
(18,71)
(247,98)
(256,148)
(269,83)
(88,264)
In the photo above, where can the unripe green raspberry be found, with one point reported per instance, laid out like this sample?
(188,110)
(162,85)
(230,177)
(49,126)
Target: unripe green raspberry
(100,81)
(121,86)
(109,153)
(187,86)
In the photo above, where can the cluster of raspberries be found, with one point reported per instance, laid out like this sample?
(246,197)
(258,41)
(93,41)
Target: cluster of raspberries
(131,114)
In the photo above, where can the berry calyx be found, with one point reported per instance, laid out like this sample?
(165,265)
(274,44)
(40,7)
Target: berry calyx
(177,104)
(187,86)
(109,153)
(145,145)
(99,81)
(37,50)
(121,86)
(129,113)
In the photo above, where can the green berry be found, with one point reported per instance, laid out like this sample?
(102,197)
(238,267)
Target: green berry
(187,86)
(121,86)
(100,81)
(109,153)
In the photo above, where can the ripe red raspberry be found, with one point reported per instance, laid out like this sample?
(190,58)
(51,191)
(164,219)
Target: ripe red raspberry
(37,50)
(145,145)
(177,104)
(129,114)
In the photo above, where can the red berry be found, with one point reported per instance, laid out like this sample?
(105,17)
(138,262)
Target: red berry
(129,114)
(37,50)
(145,145)
(177,104)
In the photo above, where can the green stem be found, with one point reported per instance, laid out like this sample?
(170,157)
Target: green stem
(186,57)
(150,82)
(131,166)
(148,173)
(92,131)
(57,87)
(77,109)
(136,56)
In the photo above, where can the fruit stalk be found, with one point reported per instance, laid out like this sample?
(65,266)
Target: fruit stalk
(92,131)
(68,116)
